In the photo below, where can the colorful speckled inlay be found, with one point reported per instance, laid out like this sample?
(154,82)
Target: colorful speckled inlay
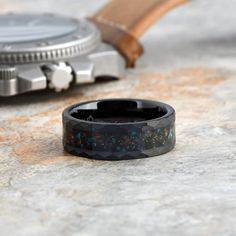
(118,141)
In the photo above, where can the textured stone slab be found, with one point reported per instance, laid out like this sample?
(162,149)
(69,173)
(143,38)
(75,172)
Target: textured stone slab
(190,64)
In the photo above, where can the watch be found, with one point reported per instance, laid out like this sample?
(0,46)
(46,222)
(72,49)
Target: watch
(49,51)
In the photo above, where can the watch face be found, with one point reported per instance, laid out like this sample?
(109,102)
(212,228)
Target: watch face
(38,38)
(29,28)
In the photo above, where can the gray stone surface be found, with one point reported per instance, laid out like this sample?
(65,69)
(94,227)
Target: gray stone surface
(190,62)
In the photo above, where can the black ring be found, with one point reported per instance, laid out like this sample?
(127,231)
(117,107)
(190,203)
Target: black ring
(119,129)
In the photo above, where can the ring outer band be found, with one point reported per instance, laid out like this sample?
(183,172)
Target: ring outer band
(119,141)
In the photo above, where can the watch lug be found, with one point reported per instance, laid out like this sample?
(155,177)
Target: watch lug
(108,62)
(31,80)
(84,71)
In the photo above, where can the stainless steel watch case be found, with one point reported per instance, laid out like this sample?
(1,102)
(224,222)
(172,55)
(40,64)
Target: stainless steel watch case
(55,62)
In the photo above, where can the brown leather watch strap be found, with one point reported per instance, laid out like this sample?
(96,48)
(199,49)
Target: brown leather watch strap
(122,22)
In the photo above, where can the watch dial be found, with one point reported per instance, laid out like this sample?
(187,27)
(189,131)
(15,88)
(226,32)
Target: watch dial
(30,28)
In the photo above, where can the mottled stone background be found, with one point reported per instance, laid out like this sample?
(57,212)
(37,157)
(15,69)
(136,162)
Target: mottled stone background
(190,62)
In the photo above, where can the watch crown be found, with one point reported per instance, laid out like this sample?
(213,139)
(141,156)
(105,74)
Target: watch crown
(7,72)
(59,76)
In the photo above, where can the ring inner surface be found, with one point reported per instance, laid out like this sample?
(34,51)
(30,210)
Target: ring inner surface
(118,111)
